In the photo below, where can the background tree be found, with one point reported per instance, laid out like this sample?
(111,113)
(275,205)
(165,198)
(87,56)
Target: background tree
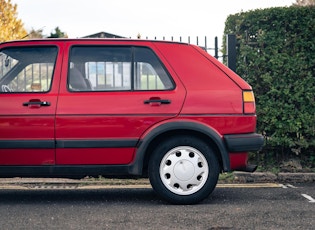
(35,34)
(11,27)
(276,55)
(305,3)
(58,34)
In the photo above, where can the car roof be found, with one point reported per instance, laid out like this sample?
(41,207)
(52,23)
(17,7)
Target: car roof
(127,40)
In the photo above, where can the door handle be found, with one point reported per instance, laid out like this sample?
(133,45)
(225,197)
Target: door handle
(36,103)
(157,101)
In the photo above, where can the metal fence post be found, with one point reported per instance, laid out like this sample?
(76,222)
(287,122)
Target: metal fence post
(231,51)
(216,55)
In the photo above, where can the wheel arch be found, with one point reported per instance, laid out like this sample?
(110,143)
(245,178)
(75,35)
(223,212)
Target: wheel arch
(166,130)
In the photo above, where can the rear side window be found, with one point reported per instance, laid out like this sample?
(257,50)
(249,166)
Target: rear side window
(116,69)
(27,69)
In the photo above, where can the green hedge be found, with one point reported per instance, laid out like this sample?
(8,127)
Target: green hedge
(276,55)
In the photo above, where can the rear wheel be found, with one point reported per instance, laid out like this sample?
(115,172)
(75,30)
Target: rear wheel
(183,170)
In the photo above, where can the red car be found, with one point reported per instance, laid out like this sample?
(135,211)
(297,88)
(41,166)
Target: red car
(127,108)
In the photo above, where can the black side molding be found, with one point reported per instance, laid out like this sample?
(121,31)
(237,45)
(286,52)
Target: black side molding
(27,144)
(65,171)
(244,142)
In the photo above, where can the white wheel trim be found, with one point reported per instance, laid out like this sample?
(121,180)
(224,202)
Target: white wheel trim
(184,170)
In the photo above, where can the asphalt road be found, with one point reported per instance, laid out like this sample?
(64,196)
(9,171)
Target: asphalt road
(274,207)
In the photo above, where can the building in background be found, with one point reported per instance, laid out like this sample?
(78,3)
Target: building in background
(103,35)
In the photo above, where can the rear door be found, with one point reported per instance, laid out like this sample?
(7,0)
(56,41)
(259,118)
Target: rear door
(109,96)
(28,98)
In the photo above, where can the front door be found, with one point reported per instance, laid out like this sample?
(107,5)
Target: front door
(28,98)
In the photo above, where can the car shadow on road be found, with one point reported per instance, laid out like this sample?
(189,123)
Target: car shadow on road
(107,196)
(130,195)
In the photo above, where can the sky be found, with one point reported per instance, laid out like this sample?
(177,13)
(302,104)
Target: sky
(128,18)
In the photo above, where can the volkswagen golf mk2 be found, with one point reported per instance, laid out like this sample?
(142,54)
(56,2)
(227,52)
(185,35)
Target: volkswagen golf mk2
(127,108)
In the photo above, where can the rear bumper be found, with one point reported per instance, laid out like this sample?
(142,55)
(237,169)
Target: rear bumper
(244,142)
(238,145)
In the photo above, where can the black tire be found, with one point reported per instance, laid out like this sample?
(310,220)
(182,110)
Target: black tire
(183,170)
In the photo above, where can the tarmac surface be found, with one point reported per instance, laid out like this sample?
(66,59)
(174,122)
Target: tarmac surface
(132,204)
(238,178)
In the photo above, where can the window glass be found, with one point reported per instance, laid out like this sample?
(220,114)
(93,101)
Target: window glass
(100,68)
(110,68)
(27,69)
(149,73)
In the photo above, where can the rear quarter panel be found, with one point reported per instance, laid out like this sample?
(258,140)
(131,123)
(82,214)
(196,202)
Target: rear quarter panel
(209,90)
(214,93)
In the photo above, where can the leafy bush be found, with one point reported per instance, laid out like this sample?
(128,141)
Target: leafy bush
(276,55)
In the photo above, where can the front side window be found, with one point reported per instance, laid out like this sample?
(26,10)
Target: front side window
(108,68)
(27,69)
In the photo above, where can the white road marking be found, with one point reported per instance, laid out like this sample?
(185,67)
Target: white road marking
(249,185)
(291,186)
(310,199)
(287,186)
(283,186)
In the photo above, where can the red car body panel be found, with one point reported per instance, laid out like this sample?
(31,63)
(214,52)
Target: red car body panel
(95,156)
(36,123)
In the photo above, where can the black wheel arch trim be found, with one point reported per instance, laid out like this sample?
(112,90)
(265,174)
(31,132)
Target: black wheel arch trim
(137,167)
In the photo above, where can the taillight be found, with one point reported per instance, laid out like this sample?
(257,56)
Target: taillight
(249,106)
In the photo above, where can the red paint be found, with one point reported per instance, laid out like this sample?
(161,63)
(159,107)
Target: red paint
(238,161)
(94,156)
(27,157)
